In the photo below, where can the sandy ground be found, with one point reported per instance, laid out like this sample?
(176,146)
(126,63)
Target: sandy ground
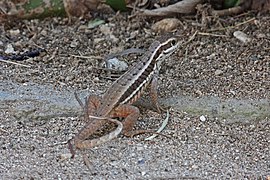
(213,64)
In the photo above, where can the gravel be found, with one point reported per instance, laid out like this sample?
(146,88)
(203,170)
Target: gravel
(215,63)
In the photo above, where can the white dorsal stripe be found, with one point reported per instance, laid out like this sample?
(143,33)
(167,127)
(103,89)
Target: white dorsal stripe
(139,87)
(159,60)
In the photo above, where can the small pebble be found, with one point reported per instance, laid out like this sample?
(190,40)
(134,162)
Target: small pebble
(69,78)
(44,32)
(211,56)
(141,161)
(202,118)
(198,92)
(260,35)
(10,49)
(133,34)
(14,32)
(98,40)
(116,64)
(166,25)
(143,173)
(232,92)
(242,36)
(114,38)
(140,148)
(194,166)
(105,29)
(65,156)
(74,44)
(96,79)
(218,72)
(82,27)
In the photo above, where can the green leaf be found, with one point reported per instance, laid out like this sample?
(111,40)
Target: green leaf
(231,3)
(118,5)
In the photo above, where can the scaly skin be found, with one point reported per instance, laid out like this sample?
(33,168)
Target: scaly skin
(117,101)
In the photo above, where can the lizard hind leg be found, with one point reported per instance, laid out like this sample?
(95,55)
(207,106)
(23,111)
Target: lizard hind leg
(131,115)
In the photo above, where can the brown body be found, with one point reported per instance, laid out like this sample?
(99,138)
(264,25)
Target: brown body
(117,100)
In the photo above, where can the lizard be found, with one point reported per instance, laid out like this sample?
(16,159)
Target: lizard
(117,100)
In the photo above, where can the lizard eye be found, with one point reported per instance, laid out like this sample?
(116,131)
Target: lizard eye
(173,42)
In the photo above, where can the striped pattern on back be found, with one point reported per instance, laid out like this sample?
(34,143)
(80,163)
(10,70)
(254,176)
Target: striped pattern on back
(129,87)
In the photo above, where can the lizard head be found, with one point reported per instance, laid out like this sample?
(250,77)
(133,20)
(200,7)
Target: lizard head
(164,48)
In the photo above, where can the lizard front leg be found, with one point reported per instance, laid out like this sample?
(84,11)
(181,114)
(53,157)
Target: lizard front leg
(154,93)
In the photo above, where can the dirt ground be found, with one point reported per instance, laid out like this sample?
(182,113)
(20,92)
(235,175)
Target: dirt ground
(214,63)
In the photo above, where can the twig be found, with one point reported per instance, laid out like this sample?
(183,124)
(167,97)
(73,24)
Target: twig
(79,100)
(210,34)
(88,57)
(2,130)
(11,62)
(230,27)
(182,7)
(229,11)
(87,161)
(191,38)
(53,54)
(40,47)
(144,131)
(125,52)
(58,143)
(71,149)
